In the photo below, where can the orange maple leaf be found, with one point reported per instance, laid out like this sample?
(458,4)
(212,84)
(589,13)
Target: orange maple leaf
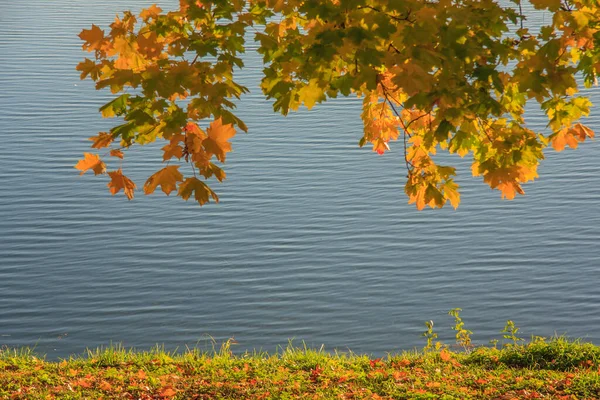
(141,374)
(119,181)
(167,392)
(149,46)
(103,139)
(89,67)
(201,190)
(218,136)
(571,136)
(173,149)
(91,161)
(116,153)
(445,355)
(129,57)
(151,12)
(93,38)
(167,178)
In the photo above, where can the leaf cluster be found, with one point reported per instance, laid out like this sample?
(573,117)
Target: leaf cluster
(434,76)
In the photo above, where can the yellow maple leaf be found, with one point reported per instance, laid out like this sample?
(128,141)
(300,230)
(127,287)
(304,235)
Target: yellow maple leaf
(91,161)
(166,178)
(129,57)
(310,94)
(217,140)
(119,181)
(451,193)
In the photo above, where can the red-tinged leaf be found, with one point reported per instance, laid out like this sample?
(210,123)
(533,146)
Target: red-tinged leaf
(104,385)
(103,139)
(93,162)
(166,178)
(583,132)
(141,374)
(119,181)
(200,190)
(116,153)
(93,38)
(218,136)
(380,146)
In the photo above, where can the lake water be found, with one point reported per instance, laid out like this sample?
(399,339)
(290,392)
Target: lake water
(313,239)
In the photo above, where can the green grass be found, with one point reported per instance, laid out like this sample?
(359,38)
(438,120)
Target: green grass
(553,369)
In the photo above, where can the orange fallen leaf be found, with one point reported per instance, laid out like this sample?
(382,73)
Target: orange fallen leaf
(141,374)
(167,392)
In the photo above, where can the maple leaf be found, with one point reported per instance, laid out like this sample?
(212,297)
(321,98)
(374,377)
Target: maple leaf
(119,181)
(89,67)
(570,136)
(201,191)
(166,178)
(552,5)
(173,149)
(141,374)
(129,58)
(149,46)
(151,12)
(217,140)
(445,355)
(380,146)
(451,193)
(91,161)
(116,153)
(310,94)
(115,107)
(167,392)
(93,38)
(103,139)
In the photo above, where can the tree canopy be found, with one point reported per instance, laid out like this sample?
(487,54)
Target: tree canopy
(437,75)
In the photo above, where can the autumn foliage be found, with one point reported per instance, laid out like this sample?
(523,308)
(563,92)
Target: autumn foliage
(542,370)
(452,76)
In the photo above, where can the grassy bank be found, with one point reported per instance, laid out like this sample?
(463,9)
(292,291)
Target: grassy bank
(555,369)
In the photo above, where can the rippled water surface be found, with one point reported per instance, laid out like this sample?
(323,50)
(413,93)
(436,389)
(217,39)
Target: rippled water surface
(312,240)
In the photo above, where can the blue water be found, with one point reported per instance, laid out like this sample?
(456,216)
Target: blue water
(313,239)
